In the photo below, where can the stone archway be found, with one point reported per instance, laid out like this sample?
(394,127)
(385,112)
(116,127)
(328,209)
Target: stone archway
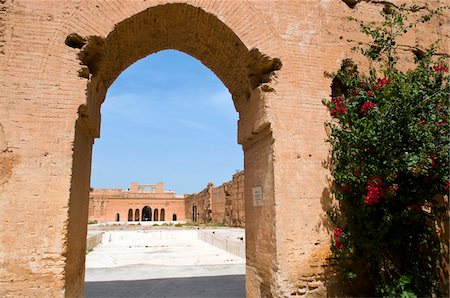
(146,214)
(247,73)
(162,216)
(280,125)
(155,215)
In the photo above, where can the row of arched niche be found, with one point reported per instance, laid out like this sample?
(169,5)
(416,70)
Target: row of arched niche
(147,215)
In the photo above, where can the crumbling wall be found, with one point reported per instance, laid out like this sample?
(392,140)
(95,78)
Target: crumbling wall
(235,201)
(220,205)
(198,205)
(48,98)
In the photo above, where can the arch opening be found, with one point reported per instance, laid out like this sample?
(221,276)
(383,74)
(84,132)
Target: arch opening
(130,214)
(155,215)
(246,73)
(242,71)
(146,213)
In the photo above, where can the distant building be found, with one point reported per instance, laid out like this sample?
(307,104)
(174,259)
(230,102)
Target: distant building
(141,202)
(150,202)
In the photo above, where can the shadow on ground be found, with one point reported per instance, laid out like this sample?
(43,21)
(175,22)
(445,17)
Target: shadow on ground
(227,286)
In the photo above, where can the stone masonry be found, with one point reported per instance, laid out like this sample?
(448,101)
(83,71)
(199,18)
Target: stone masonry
(223,204)
(107,205)
(57,61)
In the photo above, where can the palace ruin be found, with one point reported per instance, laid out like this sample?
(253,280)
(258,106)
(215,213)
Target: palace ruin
(57,61)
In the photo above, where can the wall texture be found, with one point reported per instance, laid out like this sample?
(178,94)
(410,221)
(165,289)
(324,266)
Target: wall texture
(223,204)
(57,60)
(106,204)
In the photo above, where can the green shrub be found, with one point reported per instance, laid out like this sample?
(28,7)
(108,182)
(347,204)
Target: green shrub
(390,162)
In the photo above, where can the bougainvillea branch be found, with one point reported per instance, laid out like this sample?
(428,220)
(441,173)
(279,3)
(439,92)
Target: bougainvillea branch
(389,157)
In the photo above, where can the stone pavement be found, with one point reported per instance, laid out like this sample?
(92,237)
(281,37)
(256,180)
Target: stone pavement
(227,286)
(162,264)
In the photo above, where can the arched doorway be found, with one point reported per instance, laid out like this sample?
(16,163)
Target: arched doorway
(194,213)
(117,217)
(174,217)
(280,125)
(146,213)
(244,70)
(162,215)
(136,215)
(155,215)
(130,214)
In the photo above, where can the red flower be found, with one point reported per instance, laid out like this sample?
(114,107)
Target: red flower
(355,92)
(374,190)
(338,244)
(421,122)
(368,106)
(338,232)
(339,107)
(361,85)
(374,87)
(369,93)
(447,186)
(383,82)
(440,68)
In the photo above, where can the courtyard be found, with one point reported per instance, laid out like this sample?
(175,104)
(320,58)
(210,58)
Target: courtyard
(167,262)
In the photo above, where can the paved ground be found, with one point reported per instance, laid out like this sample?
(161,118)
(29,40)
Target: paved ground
(228,286)
(162,264)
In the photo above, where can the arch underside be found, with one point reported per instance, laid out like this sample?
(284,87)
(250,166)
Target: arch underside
(172,26)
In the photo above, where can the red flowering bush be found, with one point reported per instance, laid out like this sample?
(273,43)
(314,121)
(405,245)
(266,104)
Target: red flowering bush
(337,107)
(366,107)
(390,162)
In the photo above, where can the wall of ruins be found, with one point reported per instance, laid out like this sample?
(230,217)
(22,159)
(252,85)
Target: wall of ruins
(219,205)
(58,59)
(198,205)
(107,205)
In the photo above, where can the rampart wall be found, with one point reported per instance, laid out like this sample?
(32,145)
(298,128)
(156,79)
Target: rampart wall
(222,204)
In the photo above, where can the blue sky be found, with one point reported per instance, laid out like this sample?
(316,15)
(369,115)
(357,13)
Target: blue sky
(167,118)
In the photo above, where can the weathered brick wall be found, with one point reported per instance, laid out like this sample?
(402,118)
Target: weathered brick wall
(224,203)
(198,205)
(235,205)
(50,113)
(105,204)
(218,200)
